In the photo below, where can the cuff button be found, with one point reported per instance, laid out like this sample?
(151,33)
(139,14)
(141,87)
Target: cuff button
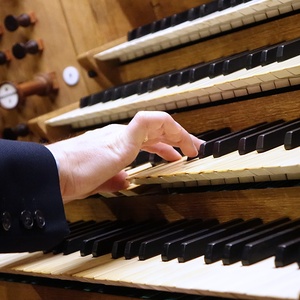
(27,219)
(39,219)
(6,220)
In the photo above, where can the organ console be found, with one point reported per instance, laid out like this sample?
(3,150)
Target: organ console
(224,224)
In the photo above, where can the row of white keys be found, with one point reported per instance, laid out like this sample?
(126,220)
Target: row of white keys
(247,81)
(133,189)
(198,278)
(194,277)
(240,280)
(167,98)
(216,22)
(8,260)
(275,164)
(231,165)
(99,273)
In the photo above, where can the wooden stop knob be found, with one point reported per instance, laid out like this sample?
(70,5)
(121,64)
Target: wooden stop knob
(12,23)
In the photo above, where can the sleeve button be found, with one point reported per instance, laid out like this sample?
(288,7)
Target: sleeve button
(6,220)
(39,218)
(27,219)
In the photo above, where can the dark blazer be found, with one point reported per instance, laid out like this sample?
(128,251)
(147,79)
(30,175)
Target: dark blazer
(32,215)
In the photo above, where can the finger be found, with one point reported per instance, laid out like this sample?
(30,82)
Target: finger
(114,184)
(165,151)
(176,135)
(160,127)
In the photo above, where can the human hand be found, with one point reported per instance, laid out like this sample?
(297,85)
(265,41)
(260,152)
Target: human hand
(94,161)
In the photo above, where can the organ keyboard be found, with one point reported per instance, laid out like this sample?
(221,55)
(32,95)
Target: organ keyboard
(194,24)
(259,280)
(276,164)
(265,69)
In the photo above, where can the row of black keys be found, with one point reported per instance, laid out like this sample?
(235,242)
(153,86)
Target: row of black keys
(187,15)
(223,66)
(236,240)
(260,137)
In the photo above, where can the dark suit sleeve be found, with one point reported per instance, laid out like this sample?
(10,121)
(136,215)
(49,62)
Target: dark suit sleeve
(31,207)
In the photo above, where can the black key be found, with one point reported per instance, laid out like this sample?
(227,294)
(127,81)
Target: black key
(269,55)
(248,143)
(72,226)
(74,244)
(152,247)
(206,149)
(118,247)
(159,82)
(132,247)
(209,8)
(86,226)
(174,79)
(237,2)
(165,23)
(184,76)
(103,245)
(143,30)
(200,71)
(155,159)
(97,98)
(196,247)
(194,13)
(214,249)
(275,137)
(292,139)
(77,224)
(179,18)
(216,68)
(171,249)
(287,253)
(143,86)
(230,143)
(223,4)
(254,58)
(233,250)
(79,229)
(102,97)
(108,95)
(265,247)
(142,158)
(212,134)
(84,101)
(156,25)
(288,50)
(235,63)
(131,35)
(130,89)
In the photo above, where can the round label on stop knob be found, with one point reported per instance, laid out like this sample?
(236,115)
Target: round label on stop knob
(9,97)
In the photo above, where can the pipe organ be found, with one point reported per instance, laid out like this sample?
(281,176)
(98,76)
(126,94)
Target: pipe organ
(224,224)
